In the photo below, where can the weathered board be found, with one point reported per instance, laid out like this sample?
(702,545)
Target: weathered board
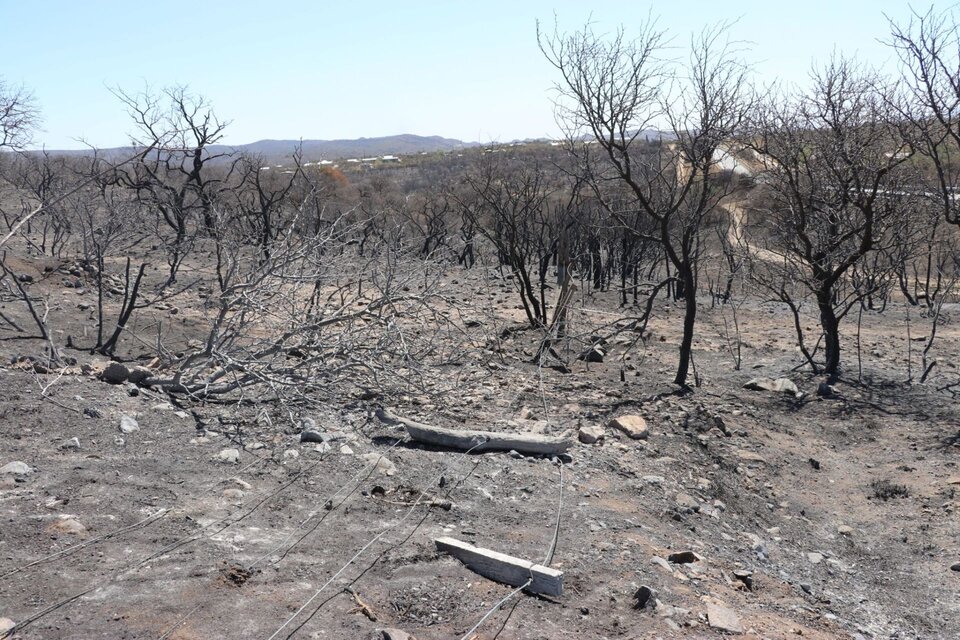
(467,439)
(503,568)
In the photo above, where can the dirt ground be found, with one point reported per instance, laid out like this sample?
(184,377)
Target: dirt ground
(844,508)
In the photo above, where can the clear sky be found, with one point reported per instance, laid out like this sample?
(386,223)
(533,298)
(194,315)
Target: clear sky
(293,69)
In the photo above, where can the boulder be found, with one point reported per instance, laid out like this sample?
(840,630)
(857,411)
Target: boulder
(633,426)
(780,385)
(383,465)
(230,456)
(115,373)
(16,468)
(590,435)
(128,424)
(722,618)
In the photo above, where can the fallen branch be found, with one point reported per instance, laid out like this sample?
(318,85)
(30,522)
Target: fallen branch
(464,439)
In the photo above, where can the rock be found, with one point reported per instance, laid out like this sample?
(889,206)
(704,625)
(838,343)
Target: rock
(955,566)
(67,524)
(91,412)
(750,456)
(313,436)
(722,618)
(744,576)
(6,624)
(643,597)
(826,390)
(115,373)
(687,502)
(72,443)
(233,495)
(593,354)
(138,374)
(683,557)
(844,530)
(654,480)
(815,558)
(291,454)
(16,468)
(633,426)
(395,634)
(243,484)
(590,435)
(231,456)
(780,385)
(128,425)
(807,588)
(346,450)
(383,465)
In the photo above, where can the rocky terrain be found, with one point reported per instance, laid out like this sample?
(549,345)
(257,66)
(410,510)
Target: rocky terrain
(724,510)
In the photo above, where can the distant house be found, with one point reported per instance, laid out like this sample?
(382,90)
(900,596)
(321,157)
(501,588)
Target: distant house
(369,159)
(352,160)
(390,159)
(326,162)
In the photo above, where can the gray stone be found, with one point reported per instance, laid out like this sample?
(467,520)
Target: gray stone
(687,502)
(233,495)
(128,424)
(780,385)
(722,618)
(72,443)
(231,456)
(590,435)
(383,465)
(16,468)
(633,426)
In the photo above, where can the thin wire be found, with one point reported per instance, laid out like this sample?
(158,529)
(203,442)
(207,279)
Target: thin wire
(185,540)
(556,532)
(373,541)
(329,500)
(68,550)
(495,608)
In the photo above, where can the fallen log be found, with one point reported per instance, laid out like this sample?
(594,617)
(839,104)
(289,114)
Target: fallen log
(500,567)
(466,439)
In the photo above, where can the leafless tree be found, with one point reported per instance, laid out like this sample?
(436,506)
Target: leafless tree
(19,116)
(175,177)
(837,188)
(613,92)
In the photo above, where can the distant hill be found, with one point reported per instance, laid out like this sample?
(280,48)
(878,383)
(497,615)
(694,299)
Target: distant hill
(272,150)
(361,147)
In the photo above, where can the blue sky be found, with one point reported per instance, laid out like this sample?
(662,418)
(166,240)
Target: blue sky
(320,70)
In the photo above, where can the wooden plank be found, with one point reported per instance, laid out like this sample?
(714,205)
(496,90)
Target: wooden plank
(500,567)
(466,439)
